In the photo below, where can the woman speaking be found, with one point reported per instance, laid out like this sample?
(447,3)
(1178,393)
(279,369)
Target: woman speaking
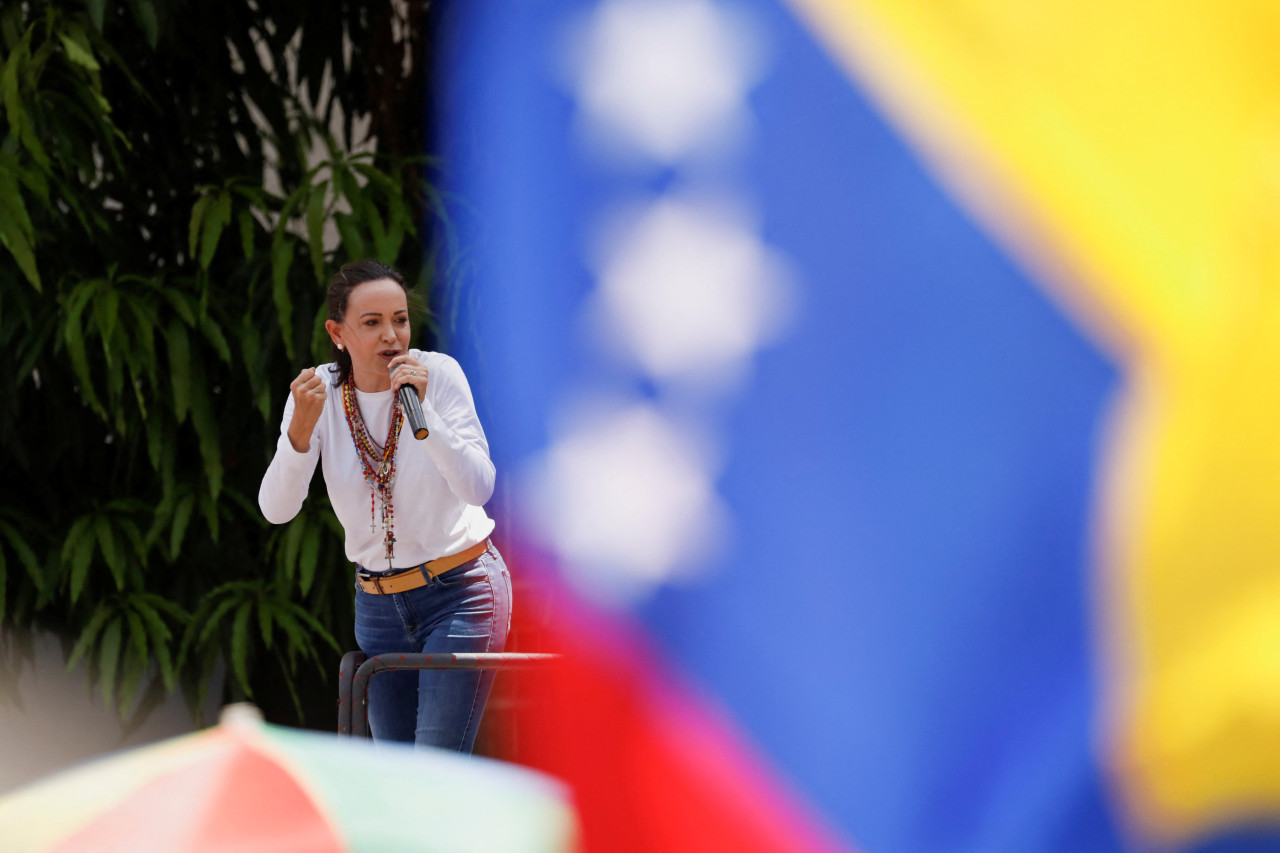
(427,577)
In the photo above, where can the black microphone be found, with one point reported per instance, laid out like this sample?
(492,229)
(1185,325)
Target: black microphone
(412,408)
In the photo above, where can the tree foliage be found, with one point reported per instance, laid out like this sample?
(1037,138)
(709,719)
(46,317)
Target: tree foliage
(176,179)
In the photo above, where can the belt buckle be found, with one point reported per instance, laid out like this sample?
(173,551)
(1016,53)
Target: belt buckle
(372,578)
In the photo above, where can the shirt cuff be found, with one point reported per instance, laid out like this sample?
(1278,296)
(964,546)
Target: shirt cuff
(291,457)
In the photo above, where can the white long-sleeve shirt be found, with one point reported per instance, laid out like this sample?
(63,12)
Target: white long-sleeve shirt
(442,481)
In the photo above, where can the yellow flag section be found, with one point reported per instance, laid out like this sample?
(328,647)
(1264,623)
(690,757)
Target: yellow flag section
(1129,155)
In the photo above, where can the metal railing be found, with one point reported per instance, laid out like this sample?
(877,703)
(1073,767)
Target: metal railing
(356,670)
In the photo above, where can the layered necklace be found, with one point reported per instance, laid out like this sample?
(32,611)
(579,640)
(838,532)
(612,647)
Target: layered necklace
(377,461)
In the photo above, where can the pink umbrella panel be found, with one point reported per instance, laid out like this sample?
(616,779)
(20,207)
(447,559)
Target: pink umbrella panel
(248,786)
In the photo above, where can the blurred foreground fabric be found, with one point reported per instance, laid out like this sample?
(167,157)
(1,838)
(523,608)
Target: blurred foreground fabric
(245,785)
(886,392)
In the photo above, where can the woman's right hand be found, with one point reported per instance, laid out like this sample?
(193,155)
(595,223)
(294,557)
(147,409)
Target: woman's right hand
(309,395)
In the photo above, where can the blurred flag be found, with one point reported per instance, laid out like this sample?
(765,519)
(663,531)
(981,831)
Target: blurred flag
(887,390)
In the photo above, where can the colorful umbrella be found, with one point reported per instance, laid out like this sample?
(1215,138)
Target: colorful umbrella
(248,786)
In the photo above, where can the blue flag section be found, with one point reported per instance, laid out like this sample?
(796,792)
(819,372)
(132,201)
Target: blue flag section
(756,383)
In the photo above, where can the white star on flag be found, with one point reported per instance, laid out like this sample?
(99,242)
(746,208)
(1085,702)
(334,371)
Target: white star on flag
(625,499)
(688,292)
(663,78)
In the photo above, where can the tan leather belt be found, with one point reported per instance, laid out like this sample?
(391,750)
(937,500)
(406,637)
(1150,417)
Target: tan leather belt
(418,575)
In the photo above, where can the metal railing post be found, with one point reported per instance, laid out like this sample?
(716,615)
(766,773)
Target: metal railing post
(351,661)
(356,670)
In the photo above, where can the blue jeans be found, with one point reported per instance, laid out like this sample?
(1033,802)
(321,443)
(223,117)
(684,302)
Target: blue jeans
(466,609)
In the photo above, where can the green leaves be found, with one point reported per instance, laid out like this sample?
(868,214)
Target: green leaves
(144,12)
(205,423)
(209,217)
(129,358)
(16,231)
(282,250)
(182,512)
(97,12)
(13,546)
(315,229)
(125,639)
(109,538)
(78,51)
(56,56)
(179,367)
(299,546)
(172,209)
(235,613)
(380,219)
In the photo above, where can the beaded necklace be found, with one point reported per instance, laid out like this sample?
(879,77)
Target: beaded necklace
(378,463)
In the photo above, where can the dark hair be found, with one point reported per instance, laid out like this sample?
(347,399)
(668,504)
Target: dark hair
(344,281)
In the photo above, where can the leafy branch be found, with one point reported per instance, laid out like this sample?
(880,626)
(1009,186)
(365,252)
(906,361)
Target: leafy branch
(176,179)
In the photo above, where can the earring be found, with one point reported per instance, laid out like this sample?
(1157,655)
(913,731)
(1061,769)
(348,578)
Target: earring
(339,347)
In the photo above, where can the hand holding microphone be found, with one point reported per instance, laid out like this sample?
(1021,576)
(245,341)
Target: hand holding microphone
(412,408)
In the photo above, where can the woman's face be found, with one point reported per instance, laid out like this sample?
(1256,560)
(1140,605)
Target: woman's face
(374,331)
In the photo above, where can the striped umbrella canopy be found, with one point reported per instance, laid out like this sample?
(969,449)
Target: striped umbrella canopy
(248,786)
